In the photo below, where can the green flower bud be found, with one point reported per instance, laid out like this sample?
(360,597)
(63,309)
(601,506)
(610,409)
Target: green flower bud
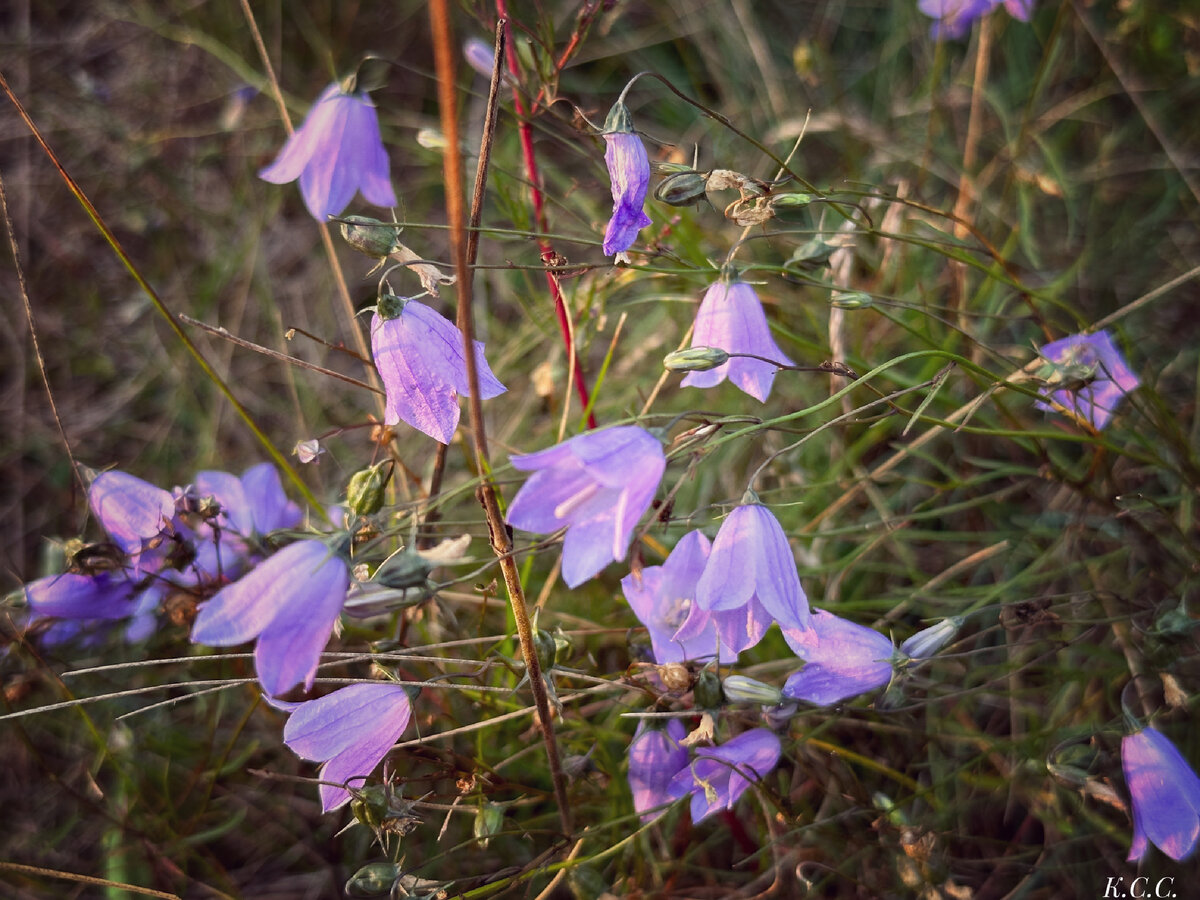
(740,689)
(851,300)
(365,492)
(373,880)
(488,821)
(792,199)
(682,188)
(369,236)
(707,691)
(406,569)
(695,359)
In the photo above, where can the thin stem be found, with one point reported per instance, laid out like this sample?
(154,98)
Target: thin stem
(444,57)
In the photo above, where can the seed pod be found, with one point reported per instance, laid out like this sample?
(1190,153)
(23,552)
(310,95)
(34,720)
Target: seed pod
(707,692)
(373,880)
(369,236)
(682,188)
(365,492)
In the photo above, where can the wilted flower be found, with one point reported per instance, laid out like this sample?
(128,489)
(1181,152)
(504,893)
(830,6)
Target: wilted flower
(290,602)
(1100,375)
(663,598)
(731,318)
(655,756)
(720,775)
(955,17)
(337,151)
(751,562)
(597,484)
(1165,793)
(350,731)
(629,172)
(419,355)
(841,659)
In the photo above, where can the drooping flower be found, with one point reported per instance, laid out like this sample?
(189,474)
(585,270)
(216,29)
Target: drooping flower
(290,602)
(336,152)
(731,318)
(134,512)
(1096,375)
(349,731)
(629,173)
(720,775)
(597,485)
(752,562)
(84,604)
(663,598)
(253,505)
(1165,794)
(841,659)
(655,756)
(419,355)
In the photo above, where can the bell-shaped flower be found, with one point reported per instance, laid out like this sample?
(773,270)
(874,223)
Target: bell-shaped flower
(253,505)
(629,173)
(135,513)
(655,756)
(731,318)
(83,604)
(419,355)
(841,659)
(663,598)
(596,484)
(720,775)
(336,152)
(290,602)
(955,17)
(1095,375)
(350,731)
(1165,794)
(752,562)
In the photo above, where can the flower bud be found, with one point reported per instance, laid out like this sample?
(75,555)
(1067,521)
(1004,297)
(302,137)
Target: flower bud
(488,821)
(851,300)
(790,200)
(682,188)
(695,359)
(403,570)
(365,492)
(431,139)
(308,450)
(926,643)
(707,691)
(740,689)
(373,880)
(369,236)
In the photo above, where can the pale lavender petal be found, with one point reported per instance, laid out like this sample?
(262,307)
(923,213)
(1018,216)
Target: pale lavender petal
(1019,9)
(629,173)
(72,596)
(269,505)
(445,336)
(132,511)
(718,777)
(664,600)
(303,143)
(228,490)
(842,659)
(655,756)
(419,390)
(1113,379)
(1165,794)
(588,548)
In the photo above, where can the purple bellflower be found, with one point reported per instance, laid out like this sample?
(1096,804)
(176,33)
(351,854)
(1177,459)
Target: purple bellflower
(349,731)
(629,172)
(721,774)
(596,484)
(655,756)
(663,598)
(954,18)
(336,152)
(841,659)
(253,505)
(751,563)
(290,602)
(731,318)
(135,513)
(92,604)
(1100,374)
(1165,793)
(419,355)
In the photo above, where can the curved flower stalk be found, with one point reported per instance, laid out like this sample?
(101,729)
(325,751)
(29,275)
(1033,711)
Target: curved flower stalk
(1165,794)
(289,603)
(336,152)
(955,17)
(751,563)
(1097,375)
(731,318)
(663,598)
(597,485)
(629,174)
(721,774)
(655,756)
(419,355)
(350,731)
